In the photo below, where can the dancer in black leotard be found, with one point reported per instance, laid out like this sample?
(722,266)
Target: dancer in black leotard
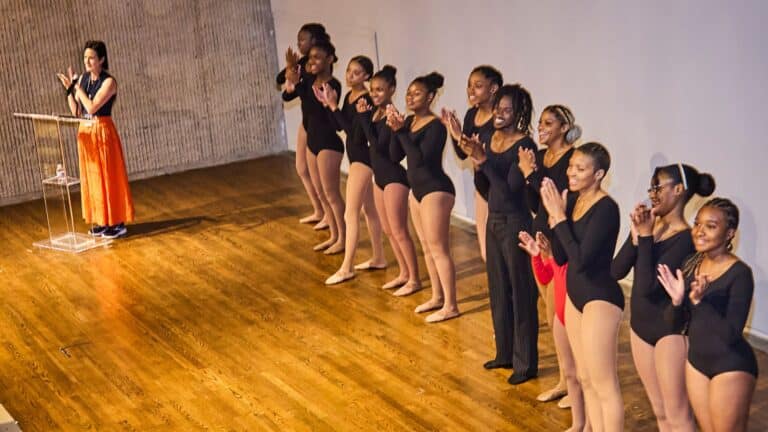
(391,191)
(660,235)
(717,288)
(359,179)
(586,226)
(326,148)
(511,286)
(422,136)
(308,35)
(482,85)
(558,132)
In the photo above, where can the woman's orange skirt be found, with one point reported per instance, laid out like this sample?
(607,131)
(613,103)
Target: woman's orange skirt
(104,190)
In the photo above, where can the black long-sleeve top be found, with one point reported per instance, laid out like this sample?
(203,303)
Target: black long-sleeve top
(319,122)
(649,301)
(469,128)
(280,79)
(347,118)
(717,322)
(587,245)
(558,174)
(423,148)
(424,152)
(380,140)
(507,191)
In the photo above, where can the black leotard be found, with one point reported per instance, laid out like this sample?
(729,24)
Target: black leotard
(485,131)
(587,245)
(379,135)
(716,342)
(281,80)
(650,302)
(424,152)
(347,118)
(320,125)
(558,174)
(507,185)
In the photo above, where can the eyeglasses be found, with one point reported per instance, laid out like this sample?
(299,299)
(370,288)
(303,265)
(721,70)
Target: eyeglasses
(657,188)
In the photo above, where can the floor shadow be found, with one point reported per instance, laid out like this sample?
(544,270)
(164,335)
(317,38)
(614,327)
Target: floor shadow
(148,229)
(482,308)
(474,297)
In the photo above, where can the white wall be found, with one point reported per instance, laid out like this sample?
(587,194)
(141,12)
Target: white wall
(656,82)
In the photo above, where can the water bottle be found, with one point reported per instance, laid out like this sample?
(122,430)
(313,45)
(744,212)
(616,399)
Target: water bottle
(60,174)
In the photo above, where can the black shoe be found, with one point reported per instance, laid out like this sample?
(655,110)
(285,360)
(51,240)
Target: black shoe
(115,231)
(97,230)
(495,364)
(517,378)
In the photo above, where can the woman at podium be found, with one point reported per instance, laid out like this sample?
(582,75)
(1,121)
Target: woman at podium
(105,194)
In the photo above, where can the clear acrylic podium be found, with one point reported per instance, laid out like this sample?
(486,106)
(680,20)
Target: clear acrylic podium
(55,138)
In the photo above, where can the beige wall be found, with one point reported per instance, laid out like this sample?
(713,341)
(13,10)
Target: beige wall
(195,80)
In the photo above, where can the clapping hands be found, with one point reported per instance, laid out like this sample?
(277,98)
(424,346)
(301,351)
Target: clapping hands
(395,120)
(674,284)
(451,122)
(554,201)
(526,161)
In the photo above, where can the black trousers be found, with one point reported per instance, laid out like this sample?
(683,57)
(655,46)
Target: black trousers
(513,293)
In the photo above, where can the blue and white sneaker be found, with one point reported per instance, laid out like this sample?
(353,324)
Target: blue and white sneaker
(114,232)
(97,230)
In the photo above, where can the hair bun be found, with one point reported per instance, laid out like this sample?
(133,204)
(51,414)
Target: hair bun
(705,185)
(435,80)
(573,134)
(389,70)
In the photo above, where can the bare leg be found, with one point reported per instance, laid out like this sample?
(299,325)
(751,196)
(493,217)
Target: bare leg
(381,209)
(481,221)
(329,166)
(317,182)
(303,171)
(600,341)
(697,385)
(435,212)
(671,352)
(643,356)
(373,222)
(437,292)
(568,368)
(358,181)
(730,395)
(573,326)
(560,389)
(396,204)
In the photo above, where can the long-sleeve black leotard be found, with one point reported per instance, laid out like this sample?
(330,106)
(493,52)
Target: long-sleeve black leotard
(424,153)
(716,341)
(587,245)
(485,132)
(379,135)
(318,121)
(347,118)
(650,302)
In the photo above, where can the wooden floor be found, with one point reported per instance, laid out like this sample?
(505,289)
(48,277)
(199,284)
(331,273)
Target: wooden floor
(212,315)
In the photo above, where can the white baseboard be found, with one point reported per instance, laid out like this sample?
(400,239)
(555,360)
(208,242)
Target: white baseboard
(757,339)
